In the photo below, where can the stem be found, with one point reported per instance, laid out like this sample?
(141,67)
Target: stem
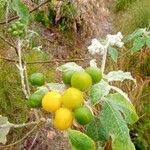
(26,80)
(11,125)
(104,58)
(21,68)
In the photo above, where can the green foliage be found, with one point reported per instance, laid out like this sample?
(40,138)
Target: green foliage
(65,13)
(122,4)
(113,53)
(140,130)
(80,141)
(124,106)
(3,4)
(12,100)
(136,15)
(22,10)
(68,15)
(43,18)
(140,38)
(96,131)
(115,125)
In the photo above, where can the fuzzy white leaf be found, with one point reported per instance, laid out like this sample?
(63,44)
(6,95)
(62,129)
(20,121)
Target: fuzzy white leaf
(71,66)
(55,87)
(120,92)
(115,40)
(42,89)
(93,63)
(3,131)
(96,47)
(119,76)
(98,91)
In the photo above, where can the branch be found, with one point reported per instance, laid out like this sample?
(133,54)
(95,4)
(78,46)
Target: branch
(16,17)
(11,125)
(10,44)
(38,124)
(48,61)
(21,68)
(104,58)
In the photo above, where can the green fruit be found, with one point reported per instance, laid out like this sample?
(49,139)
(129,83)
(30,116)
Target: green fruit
(15,33)
(37,79)
(10,30)
(95,74)
(14,27)
(83,115)
(20,25)
(20,32)
(67,77)
(81,80)
(35,100)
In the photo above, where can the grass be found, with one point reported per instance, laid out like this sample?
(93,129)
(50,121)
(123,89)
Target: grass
(136,15)
(122,4)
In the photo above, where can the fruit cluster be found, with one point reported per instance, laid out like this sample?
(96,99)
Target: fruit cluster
(17,28)
(70,104)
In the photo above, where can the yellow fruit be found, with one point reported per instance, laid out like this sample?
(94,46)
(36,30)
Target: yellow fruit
(63,119)
(81,80)
(72,98)
(51,101)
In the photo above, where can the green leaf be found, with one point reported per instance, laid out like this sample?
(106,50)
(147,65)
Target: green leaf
(119,145)
(137,44)
(98,91)
(22,10)
(119,76)
(3,131)
(124,106)
(125,95)
(137,33)
(96,131)
(71,66)
(80,141)
(113,53)
(42,90)
(148,41)
(56,87)
(116,126)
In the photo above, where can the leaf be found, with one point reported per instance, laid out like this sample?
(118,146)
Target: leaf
(116,126)
(119,76)
(148,41)
(55,87)
(98,91)
(71,66)
(42,90)
(113,53)
(80,141)
(21,9)
(121,92)
(137,44)
(124,106)
(118,145)
(96,131)
(137,33)
(3,131)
